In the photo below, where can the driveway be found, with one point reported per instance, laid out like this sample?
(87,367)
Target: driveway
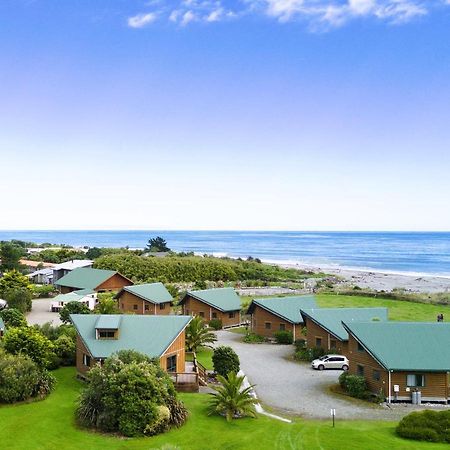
(297,389)
(40,313)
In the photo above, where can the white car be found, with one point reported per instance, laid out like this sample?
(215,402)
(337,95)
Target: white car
(330,362)
(3,304)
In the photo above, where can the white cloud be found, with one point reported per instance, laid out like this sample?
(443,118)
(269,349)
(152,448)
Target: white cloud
(214,16)
(141,20)
(188,16)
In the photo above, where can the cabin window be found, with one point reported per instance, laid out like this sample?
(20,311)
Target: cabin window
(147,307)
(86,360)
(360,347)
(318,342)
(268,325)
(415,380)
(135,307)
(282,327)
(231,315)
(360,370)
(333,343)
(106,334)
(376,375)
(201,314)
(214,315)
(172,363)
(162,306)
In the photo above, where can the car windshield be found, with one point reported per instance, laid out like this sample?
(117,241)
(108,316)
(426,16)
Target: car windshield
(322,358)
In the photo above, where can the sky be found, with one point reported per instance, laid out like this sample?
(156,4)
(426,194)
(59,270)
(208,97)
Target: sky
(225,114)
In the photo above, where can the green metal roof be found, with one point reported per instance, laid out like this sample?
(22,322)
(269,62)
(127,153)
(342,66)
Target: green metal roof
(287,308)
(151,335)
(84,292)
(224,299)
(151,292)
(85,278)
(73,296)
(108,322)
(331,318)
(406,346)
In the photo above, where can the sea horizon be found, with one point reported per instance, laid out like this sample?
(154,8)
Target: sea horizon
(401,252)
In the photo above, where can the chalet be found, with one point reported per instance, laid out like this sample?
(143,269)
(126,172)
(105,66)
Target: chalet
(100,335)
(2,328)
(98,280)
(86,296)
(269,315)
(324,327)
(399,358)
(61,270)
(222,304)
(151,298)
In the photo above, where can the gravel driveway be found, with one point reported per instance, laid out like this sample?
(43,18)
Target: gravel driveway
(40,313)
(294,387)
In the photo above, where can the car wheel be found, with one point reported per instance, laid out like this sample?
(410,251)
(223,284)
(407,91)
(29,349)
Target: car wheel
(321,367)
(345,367)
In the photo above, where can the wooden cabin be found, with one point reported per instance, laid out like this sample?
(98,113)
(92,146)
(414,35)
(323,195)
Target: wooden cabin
(100,335)
(97,280)
(150,298)
(398,358)
(269,315)
(222,304)
(324,327)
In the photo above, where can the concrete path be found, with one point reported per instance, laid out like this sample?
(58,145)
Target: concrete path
(295,388)
(40,313)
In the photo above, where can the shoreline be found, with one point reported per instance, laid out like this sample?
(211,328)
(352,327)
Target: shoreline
(377,279)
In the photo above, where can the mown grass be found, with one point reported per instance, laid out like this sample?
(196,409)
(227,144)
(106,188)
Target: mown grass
(49,424)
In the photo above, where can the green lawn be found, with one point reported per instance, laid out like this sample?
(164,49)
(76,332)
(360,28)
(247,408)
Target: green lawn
(398,309)
(204,357)
(49,424)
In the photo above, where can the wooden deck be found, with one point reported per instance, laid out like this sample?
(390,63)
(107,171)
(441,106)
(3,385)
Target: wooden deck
(190,380)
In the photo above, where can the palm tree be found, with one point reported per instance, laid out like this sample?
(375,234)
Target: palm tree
(198,334)
(231,400)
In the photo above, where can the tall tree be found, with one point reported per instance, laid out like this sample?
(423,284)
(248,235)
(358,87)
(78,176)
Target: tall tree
(10,255)
(157,244)
(198,334)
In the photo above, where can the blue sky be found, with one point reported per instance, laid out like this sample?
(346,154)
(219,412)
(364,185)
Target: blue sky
(254,114)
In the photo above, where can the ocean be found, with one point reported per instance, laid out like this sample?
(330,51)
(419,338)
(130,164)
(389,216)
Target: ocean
(420,253)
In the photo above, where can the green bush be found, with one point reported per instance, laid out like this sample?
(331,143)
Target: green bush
(18,298)
(225,360)
(13,318)
(22,379)
(354,385)
(300,344)
(72,308)
(132,395)
(283,337)
(215,324)
(253,338)
(43,290)
(432,426)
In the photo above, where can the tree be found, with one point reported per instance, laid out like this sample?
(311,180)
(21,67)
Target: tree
(231,400)
(132,395)
(198,334)
(10,255)
(31,342)
(72,308)
(93,253)
(18,298)
(65,350)
(13,318)
(225,360)
(157,244)
(106,304)
(12,280)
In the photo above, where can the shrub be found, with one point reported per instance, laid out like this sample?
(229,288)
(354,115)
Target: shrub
(432,426)
(354,385)
(283,337)
(225,360)
(215,324)
(22,379)
(13,318)
(253,338)
(300,344)
(65,350)
(72,308)
(43,290)
(18,298)
(130,394)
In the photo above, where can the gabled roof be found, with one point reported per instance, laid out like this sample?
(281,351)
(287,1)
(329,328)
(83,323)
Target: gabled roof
(73,264)
(150,292)
(331,318)
(108,322)
(151,335)
(85,278)
(223,299)
(405,346)
(287,308)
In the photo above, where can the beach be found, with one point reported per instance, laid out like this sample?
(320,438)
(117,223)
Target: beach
(381,280)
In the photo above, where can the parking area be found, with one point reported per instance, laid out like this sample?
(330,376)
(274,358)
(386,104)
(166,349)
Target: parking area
(40,313)
(295,388)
